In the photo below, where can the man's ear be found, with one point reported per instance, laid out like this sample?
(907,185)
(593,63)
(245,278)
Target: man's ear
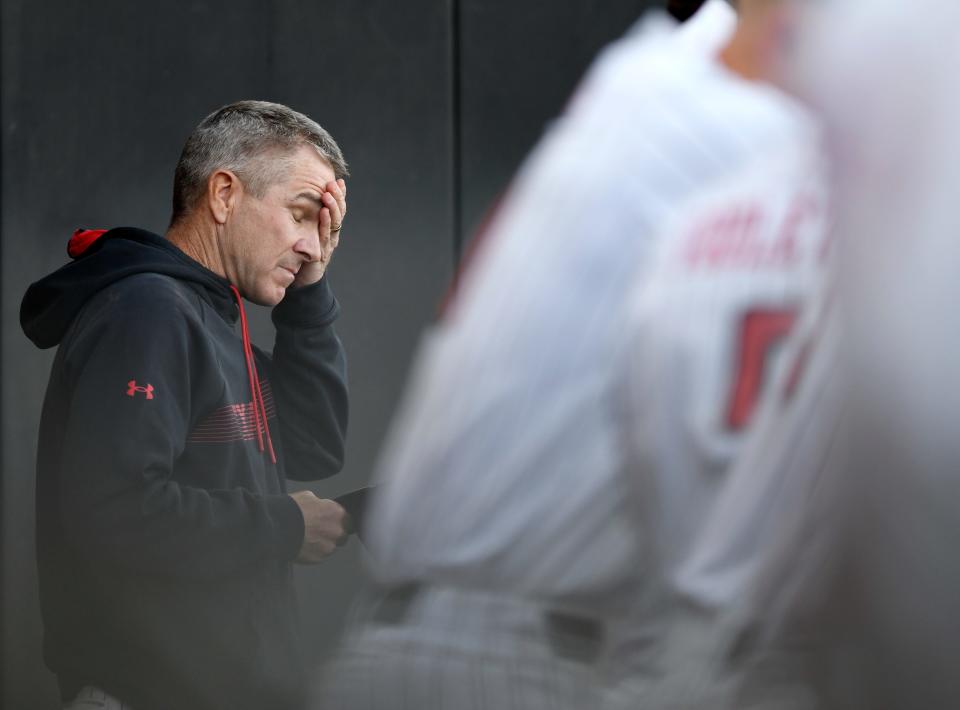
(223,192)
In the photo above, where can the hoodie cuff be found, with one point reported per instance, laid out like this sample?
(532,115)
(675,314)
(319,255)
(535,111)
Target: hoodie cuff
(288,524)
(313,305)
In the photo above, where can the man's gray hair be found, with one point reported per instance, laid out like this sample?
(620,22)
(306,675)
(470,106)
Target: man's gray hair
(251,139)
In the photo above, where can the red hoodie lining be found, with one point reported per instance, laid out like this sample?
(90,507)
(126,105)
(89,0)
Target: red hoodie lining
(82,240)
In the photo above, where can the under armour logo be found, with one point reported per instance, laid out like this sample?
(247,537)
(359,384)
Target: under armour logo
(132,389)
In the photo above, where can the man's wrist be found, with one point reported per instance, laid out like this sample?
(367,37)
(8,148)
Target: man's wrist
(314,305)
(309,274)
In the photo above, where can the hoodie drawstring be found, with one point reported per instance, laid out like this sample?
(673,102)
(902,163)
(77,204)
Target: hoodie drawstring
(259,409)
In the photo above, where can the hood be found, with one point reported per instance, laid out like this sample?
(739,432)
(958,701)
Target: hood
(101,258)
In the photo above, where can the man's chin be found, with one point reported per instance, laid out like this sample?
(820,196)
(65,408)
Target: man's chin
(276,298)
(269,298)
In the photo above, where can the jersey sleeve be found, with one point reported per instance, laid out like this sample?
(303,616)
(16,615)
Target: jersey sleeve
(130,371)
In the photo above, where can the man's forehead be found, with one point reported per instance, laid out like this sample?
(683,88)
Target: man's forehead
(309,195)
(305,170)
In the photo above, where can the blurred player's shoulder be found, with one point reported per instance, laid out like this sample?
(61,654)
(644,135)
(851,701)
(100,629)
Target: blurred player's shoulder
(710,28)
(667,79)
(651,50)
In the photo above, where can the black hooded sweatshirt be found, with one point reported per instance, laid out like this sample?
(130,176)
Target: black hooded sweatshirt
(164,533)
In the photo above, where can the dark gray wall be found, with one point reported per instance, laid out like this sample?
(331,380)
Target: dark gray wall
(433,101)
(520,62)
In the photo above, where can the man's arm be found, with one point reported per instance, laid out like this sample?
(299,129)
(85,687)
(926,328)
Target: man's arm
(309,368)
(308,374)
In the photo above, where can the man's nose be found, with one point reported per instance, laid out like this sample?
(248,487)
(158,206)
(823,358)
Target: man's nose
(309,247)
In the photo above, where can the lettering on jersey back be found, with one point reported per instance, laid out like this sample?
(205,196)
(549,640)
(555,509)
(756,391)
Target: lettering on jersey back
(734,237)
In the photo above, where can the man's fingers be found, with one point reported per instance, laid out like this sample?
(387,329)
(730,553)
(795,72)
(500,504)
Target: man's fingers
(338,201)
(339,190)
(326,235)
(326,219)
(324,526)
(332,203)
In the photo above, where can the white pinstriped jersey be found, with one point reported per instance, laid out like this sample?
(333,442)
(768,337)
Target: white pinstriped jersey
(777,469)
(709,327)
(712,335)
(513,459)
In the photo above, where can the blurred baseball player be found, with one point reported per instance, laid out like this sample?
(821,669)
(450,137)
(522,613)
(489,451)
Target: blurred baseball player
(851,605)
(570,418)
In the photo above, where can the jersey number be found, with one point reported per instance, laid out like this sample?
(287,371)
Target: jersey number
(760,332)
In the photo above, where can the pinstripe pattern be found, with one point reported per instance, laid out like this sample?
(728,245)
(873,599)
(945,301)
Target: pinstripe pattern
(459,650)
(779,467)
(758,541)
(687,322)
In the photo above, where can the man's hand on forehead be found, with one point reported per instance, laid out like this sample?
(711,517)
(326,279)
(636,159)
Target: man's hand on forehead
(329,226)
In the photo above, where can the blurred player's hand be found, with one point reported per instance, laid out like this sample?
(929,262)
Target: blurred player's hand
(323,526)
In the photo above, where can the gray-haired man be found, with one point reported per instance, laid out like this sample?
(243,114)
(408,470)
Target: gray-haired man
(165,533)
